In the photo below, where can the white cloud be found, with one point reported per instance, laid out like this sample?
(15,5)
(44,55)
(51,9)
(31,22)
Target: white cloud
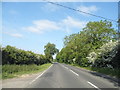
(17,35)
(66,25)
(41,26)
(70,22)
(87,9)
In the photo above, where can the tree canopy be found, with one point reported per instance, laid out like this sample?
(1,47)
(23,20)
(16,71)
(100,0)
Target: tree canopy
(78,46)
(50,50)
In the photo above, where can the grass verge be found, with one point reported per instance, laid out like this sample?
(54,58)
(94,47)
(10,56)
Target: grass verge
(0,72)
(11,71)
(108,71)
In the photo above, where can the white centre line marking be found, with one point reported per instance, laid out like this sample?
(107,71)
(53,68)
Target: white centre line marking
(74,72)
(64,67)
(40,75)
(93,85)
(71,70)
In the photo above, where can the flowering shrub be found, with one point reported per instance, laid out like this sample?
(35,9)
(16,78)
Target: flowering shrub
(108,51)
(102,56)
(92,57)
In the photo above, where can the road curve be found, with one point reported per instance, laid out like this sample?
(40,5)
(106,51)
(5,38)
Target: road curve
(66,76)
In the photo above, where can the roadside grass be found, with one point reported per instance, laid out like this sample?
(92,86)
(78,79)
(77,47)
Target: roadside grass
(0,76)
(108,71)
(0,72)
(11,71)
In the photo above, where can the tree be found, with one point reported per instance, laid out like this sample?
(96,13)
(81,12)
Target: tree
(99,32)
(78,46)
(50,50)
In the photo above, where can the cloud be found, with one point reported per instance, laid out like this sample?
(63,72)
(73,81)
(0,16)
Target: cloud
(41,26)
(70,22)
(17,35)
(66,25)
(89,9)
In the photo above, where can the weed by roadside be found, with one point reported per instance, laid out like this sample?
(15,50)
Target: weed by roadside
(10,71)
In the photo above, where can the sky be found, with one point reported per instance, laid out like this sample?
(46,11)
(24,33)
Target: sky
(31,25)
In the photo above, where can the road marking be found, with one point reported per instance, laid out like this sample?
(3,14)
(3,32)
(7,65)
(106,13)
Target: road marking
(71,70)
(74,72)
(93,85)
(64,67)
(40,75)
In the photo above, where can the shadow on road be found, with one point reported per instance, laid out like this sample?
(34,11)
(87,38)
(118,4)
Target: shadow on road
(112,80)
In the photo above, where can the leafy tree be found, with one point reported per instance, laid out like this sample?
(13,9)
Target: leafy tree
(78,46)
(50,49)
(99,32)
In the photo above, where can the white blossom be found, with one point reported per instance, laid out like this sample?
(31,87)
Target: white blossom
(106,52)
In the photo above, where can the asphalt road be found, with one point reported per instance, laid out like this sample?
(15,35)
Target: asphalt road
(65,76)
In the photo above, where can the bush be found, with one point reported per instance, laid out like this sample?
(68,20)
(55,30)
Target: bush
(103,56)
(12,55)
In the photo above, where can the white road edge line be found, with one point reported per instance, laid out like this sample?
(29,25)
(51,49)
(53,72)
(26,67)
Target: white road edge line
(74,72)
(93,85)
(40,75)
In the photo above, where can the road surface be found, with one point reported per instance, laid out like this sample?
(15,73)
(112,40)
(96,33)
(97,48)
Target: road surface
(66,76)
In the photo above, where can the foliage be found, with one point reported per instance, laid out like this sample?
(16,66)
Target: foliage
(50,50)
(12,55)
(83,44)
(103,56)
(10,71)
(0,55)
(105,70)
